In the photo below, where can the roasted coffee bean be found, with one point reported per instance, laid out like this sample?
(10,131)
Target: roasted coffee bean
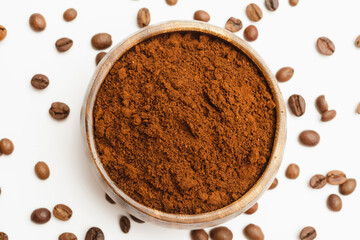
(284,74)
(109,199)
(63,44)
(70,14)
(297,105)
(233,24)
(94,233)
(328,115)
(40,216)
(221,233)
(0,187)
(358,109)
(6,146)
(253,12)
(317,181)
(135,219)
(321,104)
(274,184)
(101,41)
(125,224)
(3,32)
(40,81)
(199,234)
(42,170)
(37,22)
(67,236)
(143,17)
(251,33)
(325,46)
(62,212)
(59,110)
(272,5)
(293,2)
(253,209)
(171,2)
(201,15)
(292,171)
(309,138)
(347,187)
(336,177)
(253,232)
(308,233)
(3,236)
(357,41)
(99,57)
(334,203)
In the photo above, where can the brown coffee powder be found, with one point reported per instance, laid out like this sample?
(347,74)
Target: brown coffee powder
(184,123)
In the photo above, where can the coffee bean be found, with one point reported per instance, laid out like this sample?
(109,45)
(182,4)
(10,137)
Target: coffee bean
(94,233)
(125,224)
(309,138)
(42,170)
(109,199)
(67,236)
(62,212)
(171,2)
(292,171)
(321,104)
(336,177)
(284,74)
(40,216)
(101,41)
(6,146)
(3,236)
(3,32)
(143,17)
(253,12)
(347,187)
(253,209)
(201,15)
(251,33)
(221,233)
(70,14)
(308,233)
(199,234)
(63,44)
(328,115)
(293,2)
(233,24)
(357,41)
(325,46)
(135,219)
(253,232)
(358,109)
(297,105)
(274,184)
(272,5)
(40,81)
(334,203)
(317,181)
(37,22)
(59,110)
(99,57)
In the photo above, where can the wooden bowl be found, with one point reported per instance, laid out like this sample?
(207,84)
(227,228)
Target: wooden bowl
(178,220)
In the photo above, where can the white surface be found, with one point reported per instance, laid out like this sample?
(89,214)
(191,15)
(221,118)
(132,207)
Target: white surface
(286,37)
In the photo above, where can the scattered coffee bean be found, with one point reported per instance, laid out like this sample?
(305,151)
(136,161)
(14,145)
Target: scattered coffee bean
(40,216)
(325,46)
(199,234)
(0,190)
(328,115)
(3,236)
(357,42)
(308,233)
(143,17)
(40,81)
(335,177)
(284,74)
(109,199)
(233,24)
(67,236)
(99,57)
(253,12)
(253,232)
(318,181)
(253,209)
(251,33)
(101,41)
(347,187)
(59,110)
(37,22)
(62,212)
(70,14)
(42,170)
(6,146)
(3,32)
(292,171)
(293,2)
(171,2)
(321,104)
(272,5)
(221,233)
(297,105)
(63,44)
(135,219)
(334,203)
(309,138)
(94,233)
(274,184)
(125,224)
(358,109)
(201,15)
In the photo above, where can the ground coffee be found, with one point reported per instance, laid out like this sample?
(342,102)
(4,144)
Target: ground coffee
(184,123)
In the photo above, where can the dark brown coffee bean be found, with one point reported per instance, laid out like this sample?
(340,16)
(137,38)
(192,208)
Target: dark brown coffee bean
(143,17)
(325,46)
(171,2)
(321,104)
(221,233)
(336,177)
(274,184)
(40,81)
(308,233)
(253,232)
(99,57)
(67,236)
(292,171)
(199,234)
(334,203)
(309,138)
(328,115)
(233,24)
(42,170)
(201,15)
(40,216)
(293,2)
(297,105)
(253,12)
(94,233)
(272,5)
(358,109)
(101,41)
(63,44)
(125,224)
(109,199)
(253,209)
(357,42)
(347,187)
(317,181)
(3,32)
(3,236)
(59,110)
(62,212)
(135,219)
(251,33)
(6,146)
(37,22)
(284,74)
(70,14)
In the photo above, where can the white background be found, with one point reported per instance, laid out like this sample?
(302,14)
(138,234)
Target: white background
(286,38)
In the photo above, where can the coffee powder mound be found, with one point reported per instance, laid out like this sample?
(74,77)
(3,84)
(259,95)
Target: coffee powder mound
(184,123)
